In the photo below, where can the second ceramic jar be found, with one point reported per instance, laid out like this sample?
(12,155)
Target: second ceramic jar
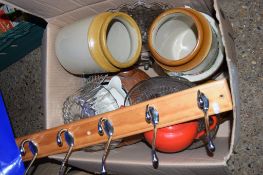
(106,42)
(183,41)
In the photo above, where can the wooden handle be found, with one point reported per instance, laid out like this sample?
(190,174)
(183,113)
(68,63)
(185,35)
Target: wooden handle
(174,108)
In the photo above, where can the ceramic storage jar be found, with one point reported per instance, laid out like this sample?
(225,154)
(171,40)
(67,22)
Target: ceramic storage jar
(106,42)
(175,37)
(182,41)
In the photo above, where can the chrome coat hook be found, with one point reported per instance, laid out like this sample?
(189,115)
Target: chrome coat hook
(104,125)
(70,141)
(152,116)
(33,148)
(203,104)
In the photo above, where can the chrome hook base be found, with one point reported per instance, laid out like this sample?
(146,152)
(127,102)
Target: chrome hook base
(203,104)
(34,150)
(70,142)
(152,116)
(104,125)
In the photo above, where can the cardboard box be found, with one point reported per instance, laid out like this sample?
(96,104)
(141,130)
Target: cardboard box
(133,159)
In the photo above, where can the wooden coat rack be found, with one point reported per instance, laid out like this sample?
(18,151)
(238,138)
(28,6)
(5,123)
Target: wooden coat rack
(173,109)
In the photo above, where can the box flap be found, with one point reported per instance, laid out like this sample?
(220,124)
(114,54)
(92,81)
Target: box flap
(48,8)
(187,162)
(51,8)
(228,41)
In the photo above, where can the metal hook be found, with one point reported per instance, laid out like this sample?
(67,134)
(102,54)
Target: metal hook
(203,104)
(33,148)
(152,116)
(109,130)
(70,141)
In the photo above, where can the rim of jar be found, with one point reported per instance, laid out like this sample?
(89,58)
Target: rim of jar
(134,35)
(187,58)
(204,50)
(94,47)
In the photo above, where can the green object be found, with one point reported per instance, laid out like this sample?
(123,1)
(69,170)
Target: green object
(18,42)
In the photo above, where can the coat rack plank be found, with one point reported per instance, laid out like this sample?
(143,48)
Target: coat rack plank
(174,108)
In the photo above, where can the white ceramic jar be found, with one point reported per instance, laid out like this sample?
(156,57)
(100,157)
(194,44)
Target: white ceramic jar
(183,42)
(106,42)
(179,39)
(213,60)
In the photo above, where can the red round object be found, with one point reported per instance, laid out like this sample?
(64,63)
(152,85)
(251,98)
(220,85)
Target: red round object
(174,138)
